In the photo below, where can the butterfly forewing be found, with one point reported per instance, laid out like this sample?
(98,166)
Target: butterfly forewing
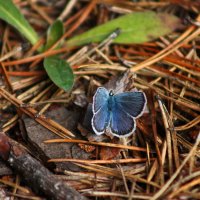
(132,103)
(101,117)
(100,99)
(122,124)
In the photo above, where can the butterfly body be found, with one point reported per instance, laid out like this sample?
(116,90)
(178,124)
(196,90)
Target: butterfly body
(110,102)
(116,112)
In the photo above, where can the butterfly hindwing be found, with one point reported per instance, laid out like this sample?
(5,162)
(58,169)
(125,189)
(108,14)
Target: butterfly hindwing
(100,120)
(132,103)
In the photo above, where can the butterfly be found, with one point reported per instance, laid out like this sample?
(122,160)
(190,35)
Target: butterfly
(116,113)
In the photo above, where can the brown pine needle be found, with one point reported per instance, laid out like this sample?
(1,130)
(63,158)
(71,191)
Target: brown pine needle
(47,123)
(169,182)
(95,143)
(130,160)
(23,189)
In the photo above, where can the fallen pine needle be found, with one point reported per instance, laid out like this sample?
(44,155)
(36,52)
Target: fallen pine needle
(129,160)
(95,143)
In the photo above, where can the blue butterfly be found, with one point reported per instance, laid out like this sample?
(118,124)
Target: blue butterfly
(116,113)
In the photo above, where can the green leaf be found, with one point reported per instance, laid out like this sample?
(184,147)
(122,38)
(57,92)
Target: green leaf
(137,27)
(59,72)
(54,33)
(10,14)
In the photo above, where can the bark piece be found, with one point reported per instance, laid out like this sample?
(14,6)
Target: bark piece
(37,134)
(4,169)
(39,178)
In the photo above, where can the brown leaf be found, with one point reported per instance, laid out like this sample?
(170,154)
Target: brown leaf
(107,153)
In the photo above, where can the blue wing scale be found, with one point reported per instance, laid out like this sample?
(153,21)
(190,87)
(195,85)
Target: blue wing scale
(132,103)
(117,112)
(100,99)
(101,114)
(122,124)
